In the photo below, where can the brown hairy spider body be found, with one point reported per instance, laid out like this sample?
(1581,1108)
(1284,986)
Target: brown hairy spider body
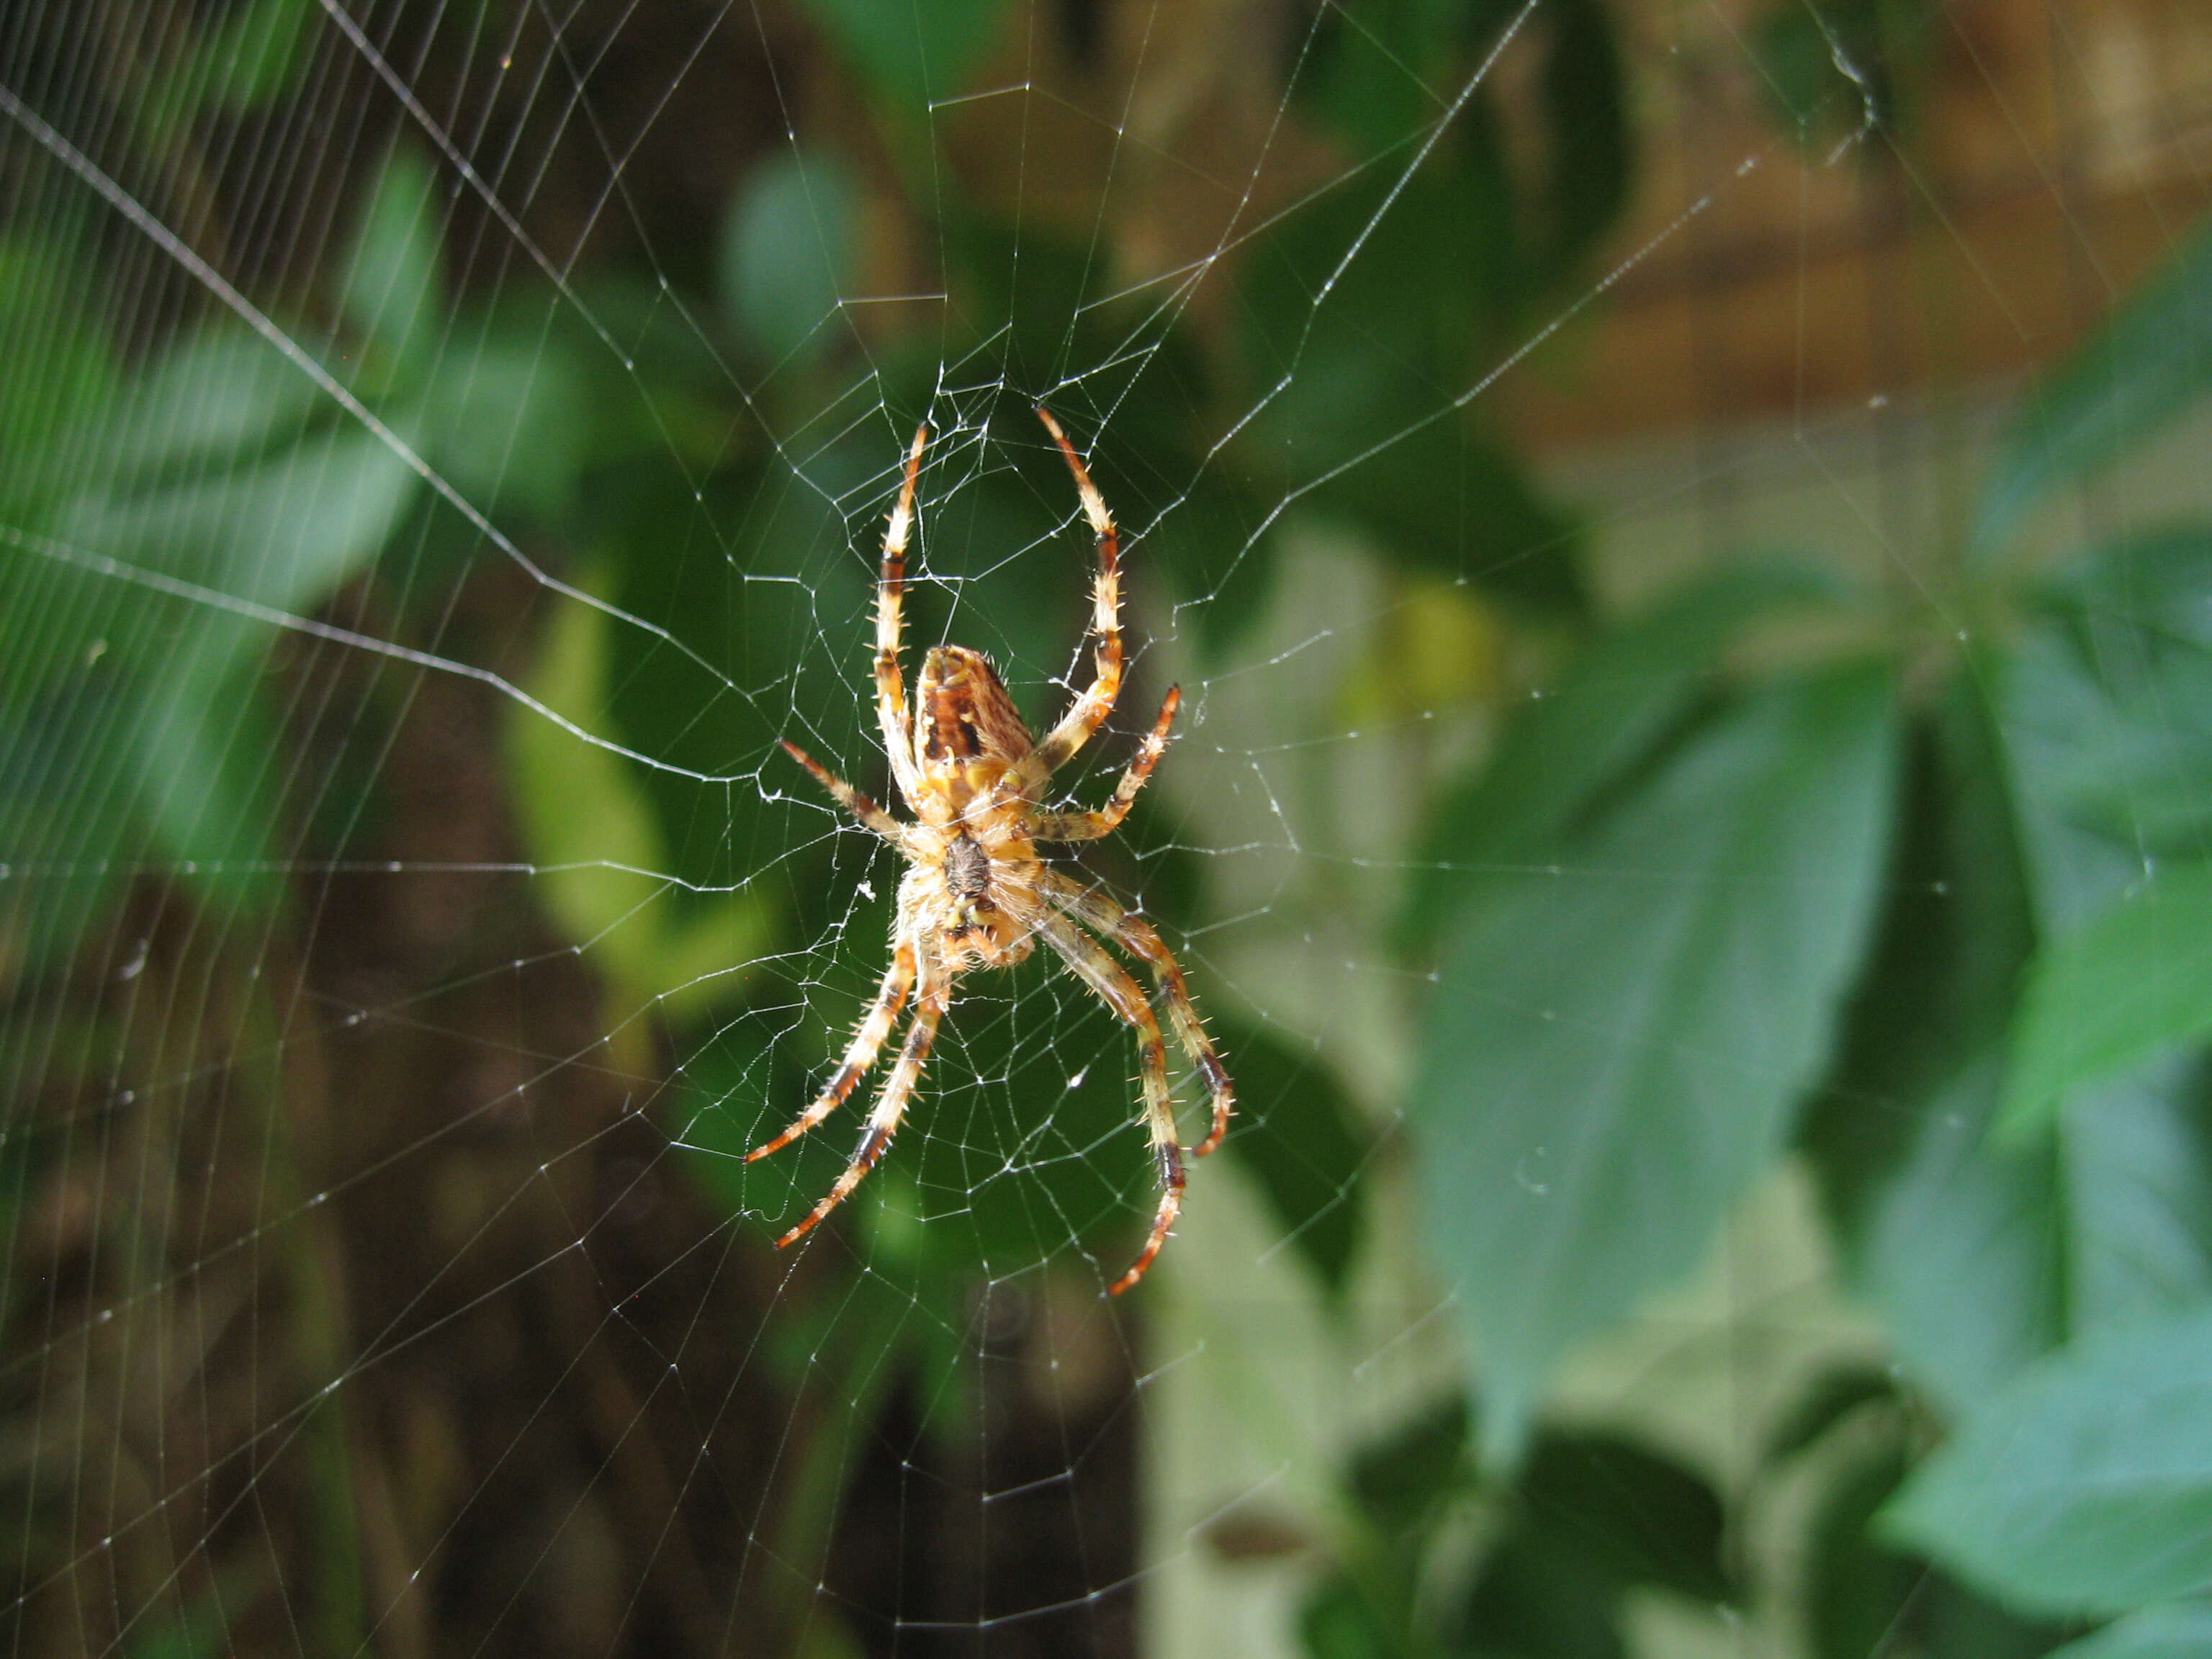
(978,894)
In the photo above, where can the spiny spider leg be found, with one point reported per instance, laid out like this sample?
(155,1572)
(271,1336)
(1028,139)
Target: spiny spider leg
(867,1042)
(1138,936)
(929,1007)
(1090,710)
(1097,969)
(853,800)
(890,590)
(1090,826)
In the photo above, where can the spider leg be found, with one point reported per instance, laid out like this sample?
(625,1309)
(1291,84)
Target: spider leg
(883,1122)
(867,1042)
(853,800)
(1090,826)
(1138,937)
(1090,710)
(1097,969)
(890,591)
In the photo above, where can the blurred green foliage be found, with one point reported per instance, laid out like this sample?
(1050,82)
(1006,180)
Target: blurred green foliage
(1931,903)
(1588,1517)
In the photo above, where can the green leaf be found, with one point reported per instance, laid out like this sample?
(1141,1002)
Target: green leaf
(1953,1244)
(1829,72)
(1374,77)
(1981,1259)
(1634,1516)
(787,252)
(2106,713)
(587,824)
(1835,1395)
(1298,1137)
(2135,1156)
(1591,147)
(2084,1486)
(1612,1058)
(911,53)
(1858,1593)
(506,422)
(2176,1630)
(1532,1597)
(1368,361)
(1338,1621)
(1592,1516)
(55,361)
(392,288)
(255,53)
(1575,739)
(2134,984)
(69,830)
(2150,361)
(729,1084)
(1399,1478)
(247,58)
(756,576)
(281,533)
(209,770)
(221,391)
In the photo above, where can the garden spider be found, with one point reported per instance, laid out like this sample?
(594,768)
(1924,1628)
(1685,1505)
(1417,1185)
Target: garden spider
(978,891)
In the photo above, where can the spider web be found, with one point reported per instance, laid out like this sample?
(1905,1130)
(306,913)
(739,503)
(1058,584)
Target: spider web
(450,446)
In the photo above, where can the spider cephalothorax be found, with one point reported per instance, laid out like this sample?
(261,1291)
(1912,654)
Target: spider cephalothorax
(976,892)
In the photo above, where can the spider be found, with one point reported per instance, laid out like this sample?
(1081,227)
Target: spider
(977,893)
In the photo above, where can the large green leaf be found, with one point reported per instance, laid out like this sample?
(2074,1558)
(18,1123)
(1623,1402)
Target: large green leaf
(1619,1038)
(2151,359)
(765,595)
(210,772)
(587,824)
(278,533)
(2134,984)
(392,287)
(505,419)
(246,55)
(2107,717)
(1981,1258)
(2085,1487)
(2135,1162)
(219,394)
(1954,1245)
(1592,147)
(787,253)
(57,365)
(1864,1597)
(2176,1630)
(1301,1141)
(1369,357)
(1574,739)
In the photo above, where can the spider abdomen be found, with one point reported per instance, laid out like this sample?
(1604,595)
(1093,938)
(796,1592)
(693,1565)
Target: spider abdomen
(962,713)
